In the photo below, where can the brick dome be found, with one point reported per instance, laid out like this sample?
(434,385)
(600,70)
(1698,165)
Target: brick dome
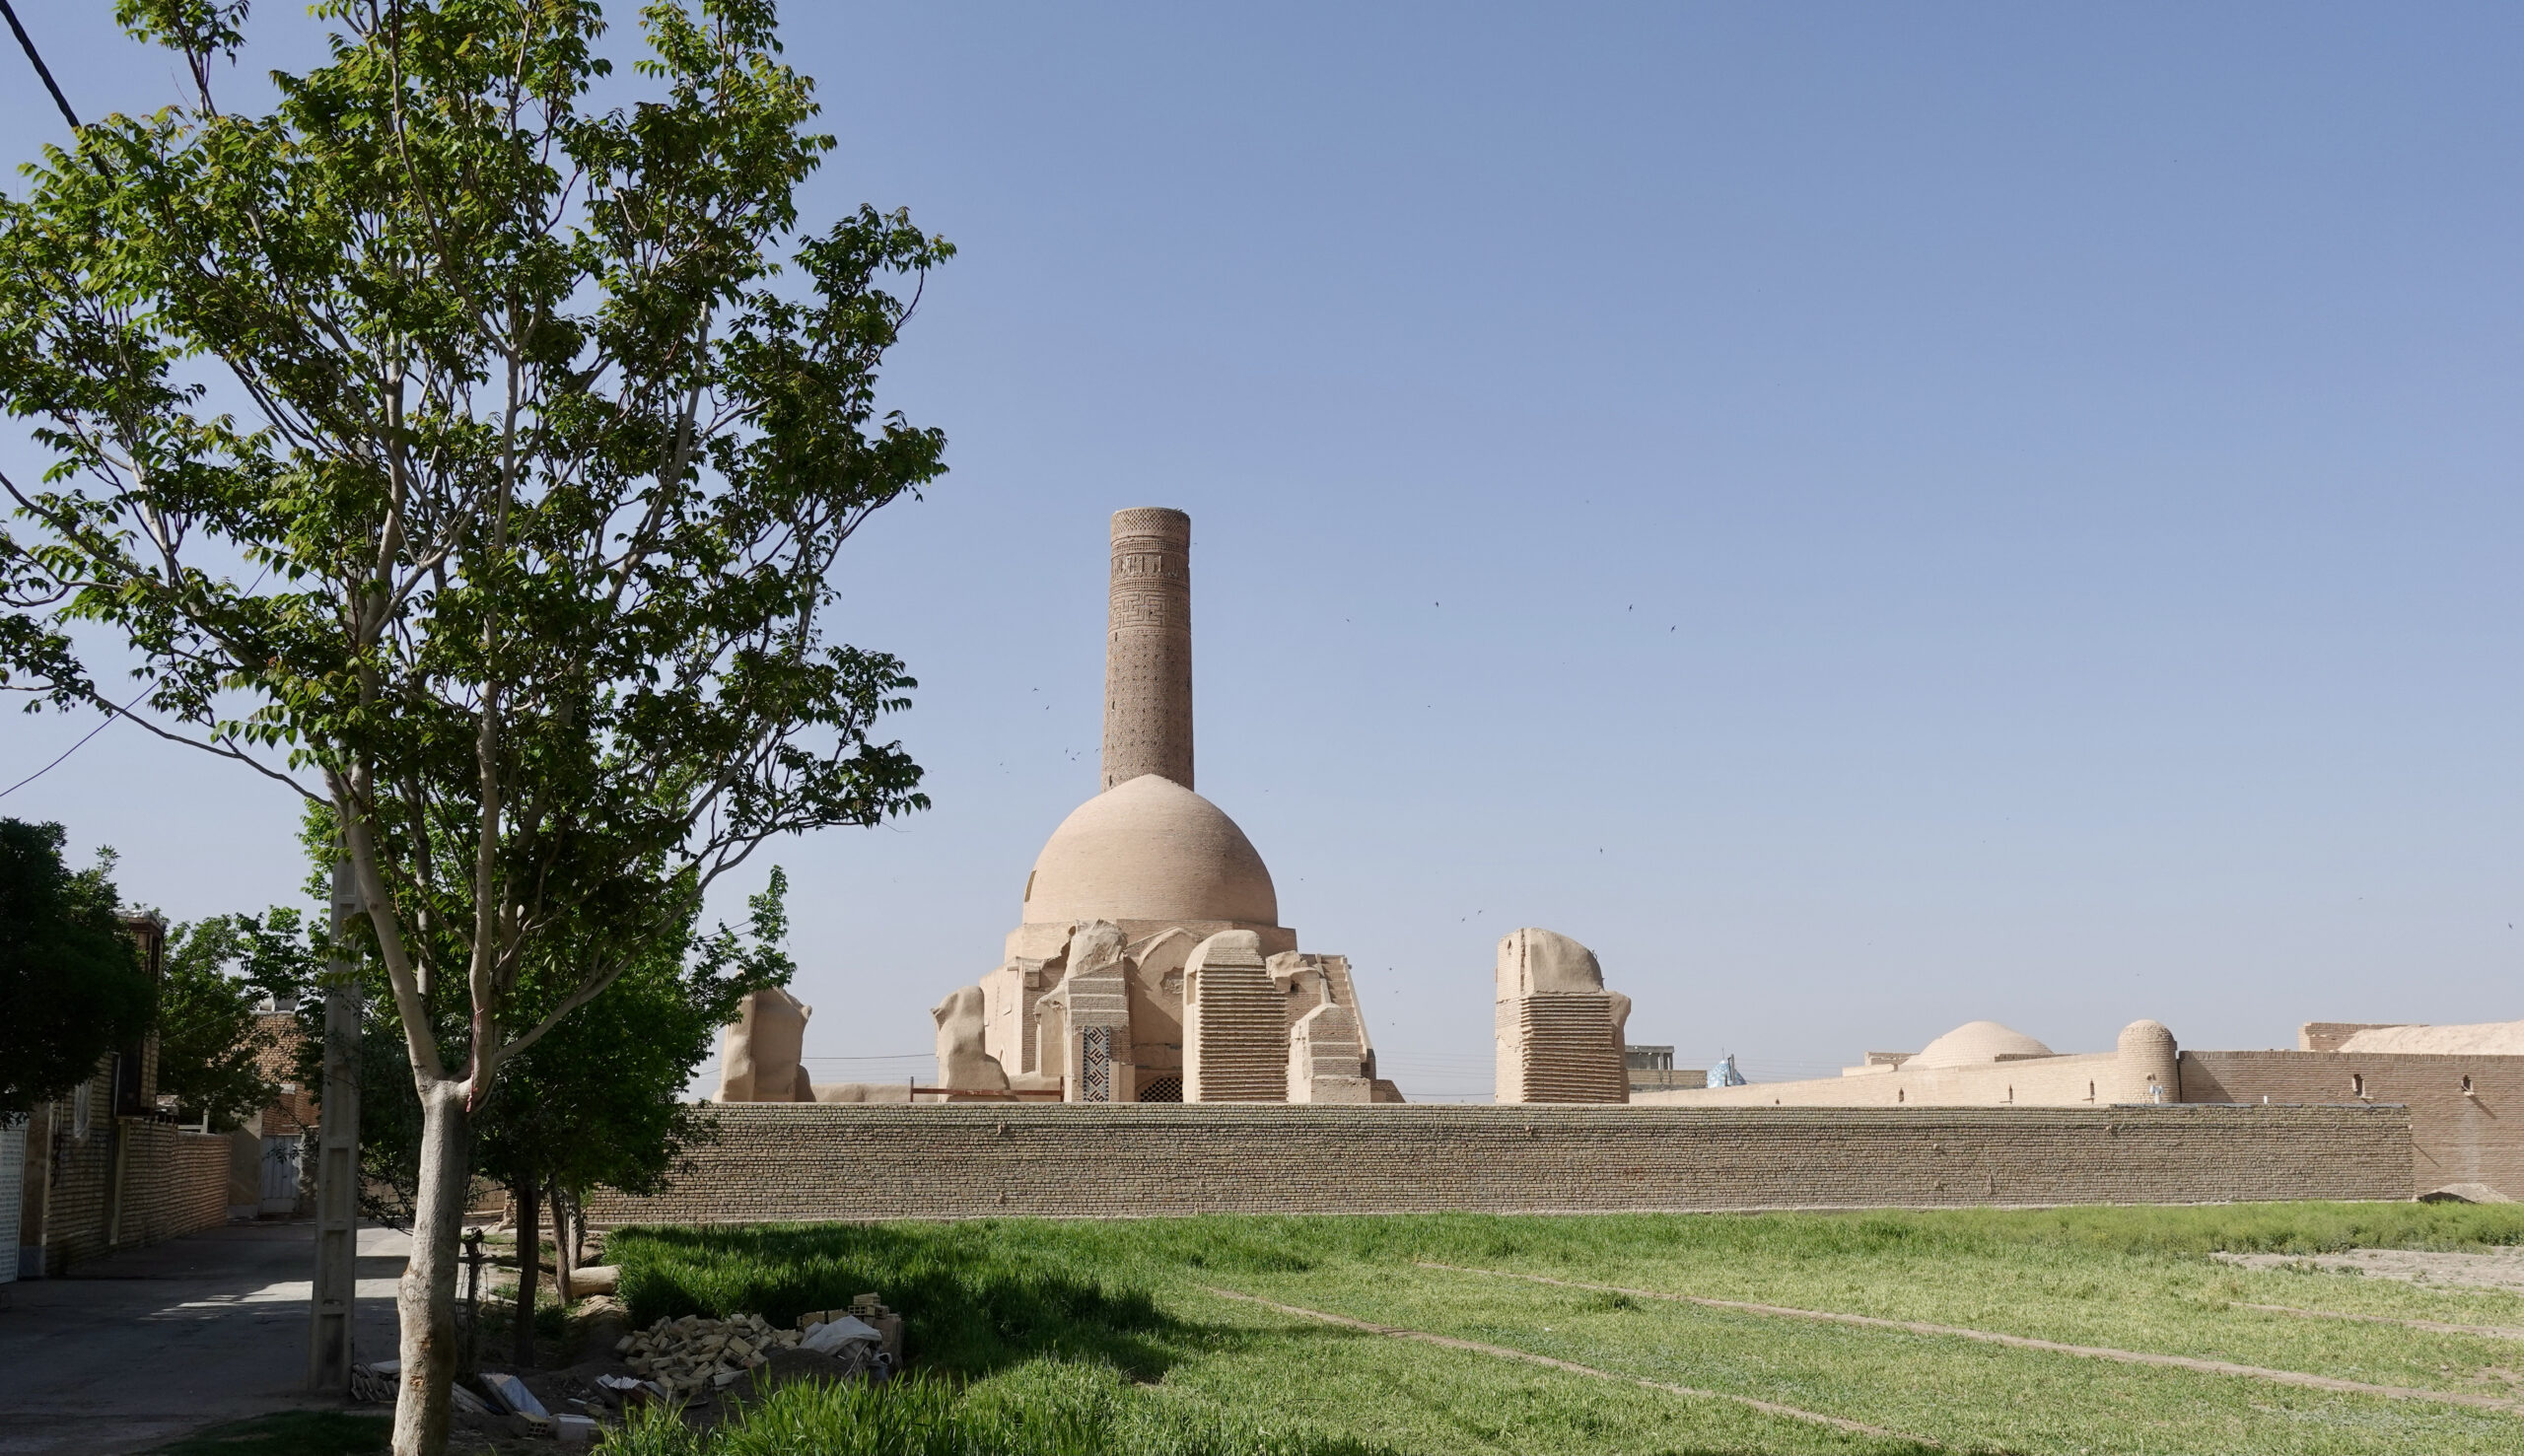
(1977,1044)
(1149,850)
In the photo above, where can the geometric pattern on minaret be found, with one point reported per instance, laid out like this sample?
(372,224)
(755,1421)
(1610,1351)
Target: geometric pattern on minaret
(1148,650)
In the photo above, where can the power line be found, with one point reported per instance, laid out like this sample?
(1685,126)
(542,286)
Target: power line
(27,43)
(92,732)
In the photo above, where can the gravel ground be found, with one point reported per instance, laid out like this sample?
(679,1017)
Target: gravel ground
(2503,1269)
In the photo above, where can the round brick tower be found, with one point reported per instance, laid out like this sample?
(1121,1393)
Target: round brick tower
(1148,650)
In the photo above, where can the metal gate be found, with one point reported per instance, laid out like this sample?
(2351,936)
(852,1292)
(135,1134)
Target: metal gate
(283,1159)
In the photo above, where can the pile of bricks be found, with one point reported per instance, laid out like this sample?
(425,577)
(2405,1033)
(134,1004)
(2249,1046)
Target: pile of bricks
(685,1357)
(869,1310)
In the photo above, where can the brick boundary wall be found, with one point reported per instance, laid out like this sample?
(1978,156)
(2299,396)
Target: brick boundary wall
(2466,1113)
(171,1183)
(174,1183)
(809,1161)
(195,1187)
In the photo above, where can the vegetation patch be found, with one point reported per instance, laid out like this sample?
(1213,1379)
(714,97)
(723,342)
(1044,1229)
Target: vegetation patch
(289,1433)
(1042,1407)
(1045,1335)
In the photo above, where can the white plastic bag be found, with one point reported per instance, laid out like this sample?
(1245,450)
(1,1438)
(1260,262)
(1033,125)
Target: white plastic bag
(829,1338)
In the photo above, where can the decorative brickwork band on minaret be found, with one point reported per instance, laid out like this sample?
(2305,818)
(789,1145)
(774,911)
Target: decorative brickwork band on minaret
(1148,653)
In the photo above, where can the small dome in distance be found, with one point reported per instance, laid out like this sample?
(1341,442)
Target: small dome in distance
(1976,1044)
(1149,850)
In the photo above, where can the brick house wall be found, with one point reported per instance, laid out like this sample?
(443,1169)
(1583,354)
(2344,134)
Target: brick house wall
(104,1169)
(130,1181)
(866,1160)
(174,1182)
(66,1203)
(293,1111)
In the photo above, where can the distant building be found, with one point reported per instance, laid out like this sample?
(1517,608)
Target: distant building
(2464,1085)
(268,1173)
(1652,1069)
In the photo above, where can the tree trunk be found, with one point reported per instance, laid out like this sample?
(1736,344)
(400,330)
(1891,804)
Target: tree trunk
(565,1260)
(425,1297)
(529,1268)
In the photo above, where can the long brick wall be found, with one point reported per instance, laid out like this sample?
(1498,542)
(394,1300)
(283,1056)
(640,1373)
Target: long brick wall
(842,1160)
(2466,1113)
(131,1181)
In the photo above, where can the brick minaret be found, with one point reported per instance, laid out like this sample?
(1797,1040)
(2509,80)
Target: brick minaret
(1148,653)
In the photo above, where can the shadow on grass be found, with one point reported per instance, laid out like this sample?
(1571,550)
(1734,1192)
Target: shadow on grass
(971,1304)
(289,1433)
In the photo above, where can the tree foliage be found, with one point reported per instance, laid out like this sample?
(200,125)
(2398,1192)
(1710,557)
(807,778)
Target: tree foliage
(539,463)
(597,1104)
(71,983)
(72,986)
(211,1041)
(468,443)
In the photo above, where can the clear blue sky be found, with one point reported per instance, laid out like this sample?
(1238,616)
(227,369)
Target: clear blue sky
(1870,517)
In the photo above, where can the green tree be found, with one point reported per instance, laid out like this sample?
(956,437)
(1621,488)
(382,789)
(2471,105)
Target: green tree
(72,986)
(467,444)
(594,1104)
(210,1041)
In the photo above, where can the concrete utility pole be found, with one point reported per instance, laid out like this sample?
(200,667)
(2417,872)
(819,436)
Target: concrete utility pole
(328,1328)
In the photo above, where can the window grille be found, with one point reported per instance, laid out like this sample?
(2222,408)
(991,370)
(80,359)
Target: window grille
(1096,1064)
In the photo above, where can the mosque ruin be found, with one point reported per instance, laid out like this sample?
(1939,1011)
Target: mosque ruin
(1147,964)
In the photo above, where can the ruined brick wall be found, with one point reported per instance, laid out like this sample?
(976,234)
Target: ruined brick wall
(2466,1113)
(838,1161)
(1564,1050)
(1236,1030)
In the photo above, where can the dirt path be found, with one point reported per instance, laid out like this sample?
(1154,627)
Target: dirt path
(2023,1342)
(2433,1326)
(1504,1352)
(2502,1269)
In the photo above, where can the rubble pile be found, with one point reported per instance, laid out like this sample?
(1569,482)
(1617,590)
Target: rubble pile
(376,1384)
(692,1356)
(872,1315)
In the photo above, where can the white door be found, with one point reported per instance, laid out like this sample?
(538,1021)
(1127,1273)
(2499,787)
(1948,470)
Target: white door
(280,1173)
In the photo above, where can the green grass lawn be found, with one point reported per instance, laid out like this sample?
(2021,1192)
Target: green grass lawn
(290,1433)
(1057,1336)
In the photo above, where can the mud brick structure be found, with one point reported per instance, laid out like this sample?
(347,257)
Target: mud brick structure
(829,1161)
(2466,1113)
